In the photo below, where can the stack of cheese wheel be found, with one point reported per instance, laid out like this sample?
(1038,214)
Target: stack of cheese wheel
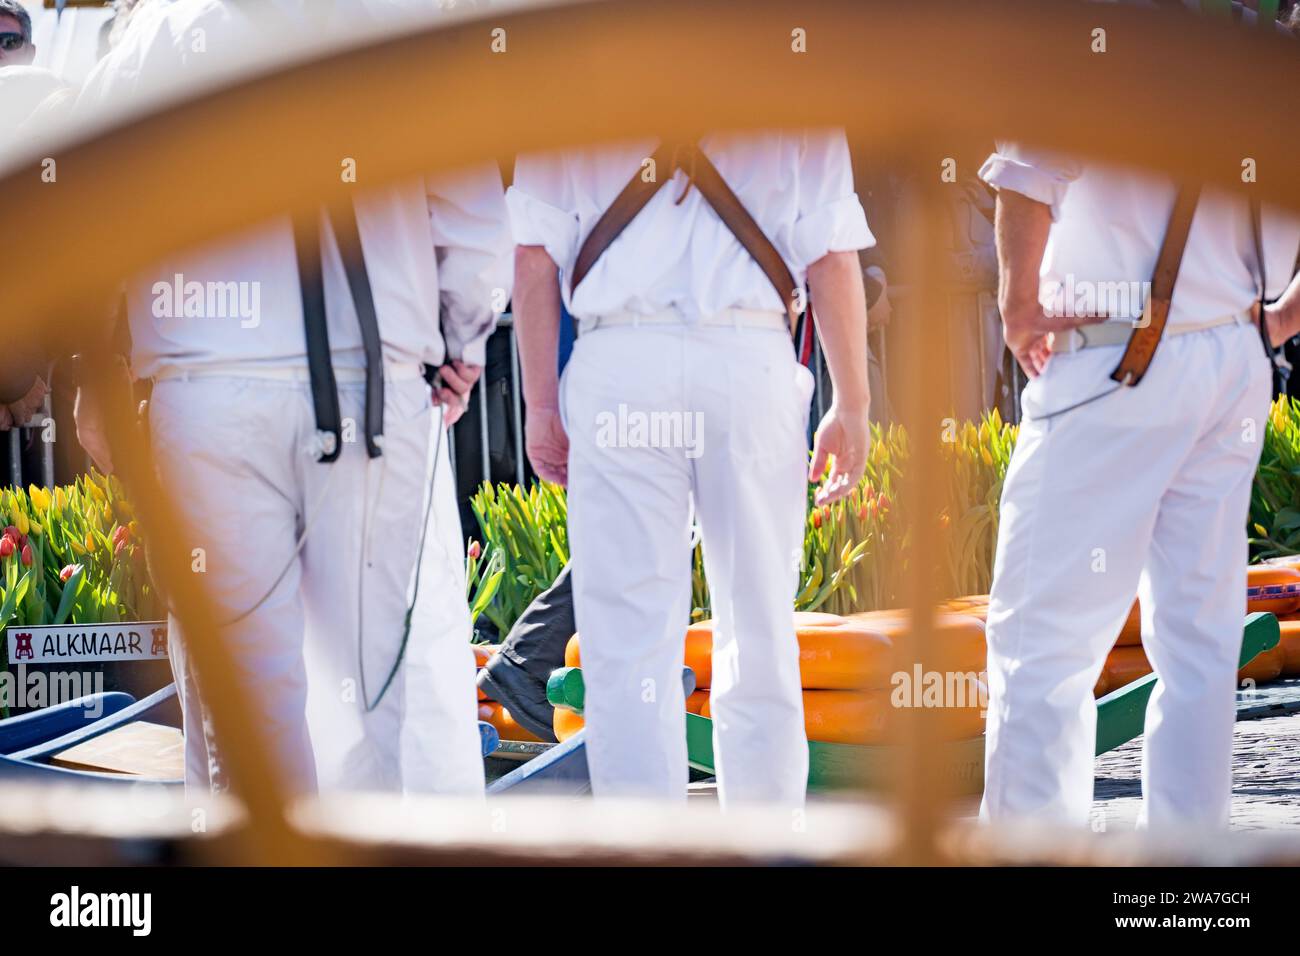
(1273,587)
(1128,664)
(854,670)
(1289,621)
(490,710)
(698,656)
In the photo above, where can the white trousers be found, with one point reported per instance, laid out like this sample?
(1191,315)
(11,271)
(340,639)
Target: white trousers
(658,415)
(1144,491)
(237,451)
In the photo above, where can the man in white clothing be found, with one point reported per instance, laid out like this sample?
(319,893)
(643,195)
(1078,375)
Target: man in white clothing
(682,325)
(310,536)
(1120,489)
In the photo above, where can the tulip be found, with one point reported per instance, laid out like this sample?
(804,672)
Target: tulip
(68,571)
(23,524)
(817,519)
(119,547)
(120,535)
(90,541)
(27,555)
(11,532)
(6,547)
(475,549)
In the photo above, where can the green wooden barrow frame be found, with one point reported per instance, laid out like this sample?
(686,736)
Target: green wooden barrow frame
(1120,718)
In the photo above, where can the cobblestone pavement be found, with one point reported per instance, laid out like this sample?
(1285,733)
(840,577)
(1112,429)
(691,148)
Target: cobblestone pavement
(1265,778)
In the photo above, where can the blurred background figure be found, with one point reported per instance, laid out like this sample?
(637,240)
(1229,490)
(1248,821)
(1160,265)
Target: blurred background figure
(16,47)
(24,367)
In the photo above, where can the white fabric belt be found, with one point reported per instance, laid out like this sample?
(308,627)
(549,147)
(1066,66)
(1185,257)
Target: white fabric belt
(1117,333)
(735,318)
(393,372)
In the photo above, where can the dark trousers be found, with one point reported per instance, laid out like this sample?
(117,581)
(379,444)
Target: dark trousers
(537,641)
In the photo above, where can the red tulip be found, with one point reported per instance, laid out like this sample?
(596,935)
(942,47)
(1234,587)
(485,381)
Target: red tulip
(817,519)
(68,571)
(6,546)
(119,547)
(884,502)
(120,535)
(475,549)
(11,532)
(27,555)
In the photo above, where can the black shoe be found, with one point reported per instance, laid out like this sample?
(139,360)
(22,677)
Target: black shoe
(520,693)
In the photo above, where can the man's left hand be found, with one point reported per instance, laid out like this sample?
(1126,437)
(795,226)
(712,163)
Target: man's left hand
(843,437)
(458,380)
(1278,323)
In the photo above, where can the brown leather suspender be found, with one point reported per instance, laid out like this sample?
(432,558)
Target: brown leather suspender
(705,177)
(1146,337)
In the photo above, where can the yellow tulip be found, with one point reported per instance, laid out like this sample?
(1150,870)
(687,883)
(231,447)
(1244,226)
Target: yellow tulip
(90,541)
(22,524)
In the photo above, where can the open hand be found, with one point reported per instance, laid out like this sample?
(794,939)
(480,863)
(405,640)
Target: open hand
(843,438)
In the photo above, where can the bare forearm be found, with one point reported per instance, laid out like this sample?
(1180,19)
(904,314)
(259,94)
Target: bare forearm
(537,324)
(1022,227)
(835,281)
(1289,309)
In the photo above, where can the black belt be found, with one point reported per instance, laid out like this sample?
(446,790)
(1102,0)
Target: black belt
(324,388)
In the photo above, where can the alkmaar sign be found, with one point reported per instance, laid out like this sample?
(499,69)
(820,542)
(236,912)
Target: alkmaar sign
(70,644)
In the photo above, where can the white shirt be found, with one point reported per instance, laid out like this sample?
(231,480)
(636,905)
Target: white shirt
(797,186)
(433,249)
(1109,224)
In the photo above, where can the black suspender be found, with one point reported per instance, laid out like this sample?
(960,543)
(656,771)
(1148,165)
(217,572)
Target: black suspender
(344,221)
(324,390)
(324,387)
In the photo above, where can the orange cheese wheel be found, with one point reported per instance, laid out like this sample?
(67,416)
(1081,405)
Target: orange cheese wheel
(863,717)
(1124,665)
(1130,634)
(959,644)
(698,653)
(976,605)
(566,723)
(835,653)
(1266,666)
(1290,644)
(500,718)
(1272,587)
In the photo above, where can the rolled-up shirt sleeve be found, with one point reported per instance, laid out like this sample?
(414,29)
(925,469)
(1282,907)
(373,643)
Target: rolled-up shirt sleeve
(1037,174)
(471,235)
(539,203)
(831,218)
